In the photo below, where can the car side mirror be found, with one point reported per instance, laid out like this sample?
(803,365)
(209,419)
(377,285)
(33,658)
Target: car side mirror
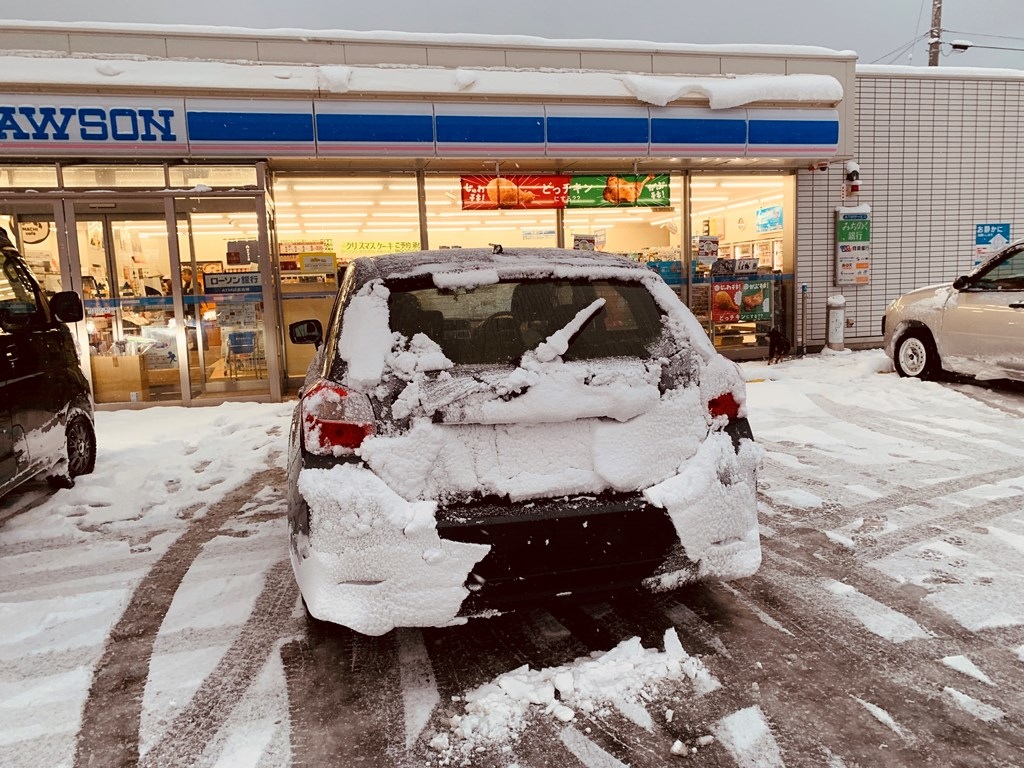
(306,332)
(961,282)
(67,307)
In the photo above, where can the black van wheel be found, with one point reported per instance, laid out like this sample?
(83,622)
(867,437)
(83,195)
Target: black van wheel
(81,447)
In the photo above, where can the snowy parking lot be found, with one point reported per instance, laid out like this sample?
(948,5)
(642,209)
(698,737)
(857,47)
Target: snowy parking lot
(150,614)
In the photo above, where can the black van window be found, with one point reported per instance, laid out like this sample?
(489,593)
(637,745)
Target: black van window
(19,299)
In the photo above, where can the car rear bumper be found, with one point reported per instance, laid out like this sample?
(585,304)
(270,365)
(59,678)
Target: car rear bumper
(556,548)
(394,557)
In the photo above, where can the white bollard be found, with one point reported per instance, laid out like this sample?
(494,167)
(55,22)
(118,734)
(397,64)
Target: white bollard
(835,321)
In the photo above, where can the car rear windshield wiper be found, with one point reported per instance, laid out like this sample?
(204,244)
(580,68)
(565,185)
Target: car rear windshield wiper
(558,342)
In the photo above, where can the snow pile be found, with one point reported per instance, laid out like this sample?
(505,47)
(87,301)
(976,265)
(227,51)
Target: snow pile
(735,90)
(747,737)
(967,667)
(365,337)
(361,527)
(497,712)
(979,709)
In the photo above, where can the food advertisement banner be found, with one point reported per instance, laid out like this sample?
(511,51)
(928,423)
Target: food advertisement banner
(554,191)
(483,193)
(741,302)
(648,190)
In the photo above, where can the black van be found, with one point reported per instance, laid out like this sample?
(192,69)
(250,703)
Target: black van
(46,416)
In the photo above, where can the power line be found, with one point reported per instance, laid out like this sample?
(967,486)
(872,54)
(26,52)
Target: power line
(899,51)
(982,34)
(993,47)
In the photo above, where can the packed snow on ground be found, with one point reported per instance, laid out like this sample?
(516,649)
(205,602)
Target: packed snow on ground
(71,560)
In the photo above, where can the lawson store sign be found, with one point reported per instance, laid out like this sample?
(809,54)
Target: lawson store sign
(80,126)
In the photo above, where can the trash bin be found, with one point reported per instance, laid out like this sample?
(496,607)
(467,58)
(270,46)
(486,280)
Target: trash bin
(835,321)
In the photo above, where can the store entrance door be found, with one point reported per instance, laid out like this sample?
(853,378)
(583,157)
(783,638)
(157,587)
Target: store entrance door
(225,271)
(127,289)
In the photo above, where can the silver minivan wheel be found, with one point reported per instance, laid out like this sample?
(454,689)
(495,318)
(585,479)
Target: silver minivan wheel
(916,356)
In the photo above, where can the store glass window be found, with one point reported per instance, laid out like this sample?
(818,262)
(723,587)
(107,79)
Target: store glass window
(741,256)
(216,176)
(28,176)
(322,222)
(95,176)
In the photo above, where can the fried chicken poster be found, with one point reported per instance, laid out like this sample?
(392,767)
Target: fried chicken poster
(534,192)
(741,302)
(624,190)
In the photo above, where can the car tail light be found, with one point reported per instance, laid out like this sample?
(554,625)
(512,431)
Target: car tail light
(334,420)
(724,405)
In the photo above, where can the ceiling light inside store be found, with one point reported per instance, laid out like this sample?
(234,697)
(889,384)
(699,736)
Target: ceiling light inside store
(390,215)
(306,215)
(337,187)
(749,184)
(703,184)
(325,203)
(402,187)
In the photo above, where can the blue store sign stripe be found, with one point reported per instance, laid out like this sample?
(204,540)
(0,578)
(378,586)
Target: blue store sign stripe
(249,126)
(598,130)
(689,131)
(375,128)
(794,132)
(471,129)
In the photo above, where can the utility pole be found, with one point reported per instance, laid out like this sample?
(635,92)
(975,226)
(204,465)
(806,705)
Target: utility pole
(934,41)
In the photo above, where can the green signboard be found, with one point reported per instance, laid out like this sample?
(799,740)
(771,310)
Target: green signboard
(626,190)
(856,231)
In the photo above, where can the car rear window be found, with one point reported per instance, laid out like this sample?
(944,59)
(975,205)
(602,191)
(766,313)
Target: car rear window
(497,323)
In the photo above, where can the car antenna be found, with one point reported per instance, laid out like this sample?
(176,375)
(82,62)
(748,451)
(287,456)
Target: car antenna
(496,248)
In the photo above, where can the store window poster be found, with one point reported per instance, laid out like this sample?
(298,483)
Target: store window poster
(741,302)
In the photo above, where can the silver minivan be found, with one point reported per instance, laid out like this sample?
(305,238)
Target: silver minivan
(973,326)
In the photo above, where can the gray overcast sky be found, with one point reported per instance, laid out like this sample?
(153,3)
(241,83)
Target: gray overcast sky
(876,29)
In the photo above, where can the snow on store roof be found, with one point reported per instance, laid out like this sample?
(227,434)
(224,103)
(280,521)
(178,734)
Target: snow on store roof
(457,38)
(721,91)
(891,70)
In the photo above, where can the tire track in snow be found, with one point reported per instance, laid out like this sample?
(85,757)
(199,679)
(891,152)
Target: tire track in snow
(109,734)
(828,660)
(344,699)
(196,726)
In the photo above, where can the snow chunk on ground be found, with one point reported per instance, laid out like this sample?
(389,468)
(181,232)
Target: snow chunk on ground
(876,617)
(497,712)
(984,712)
(884,718)
(796,497)
(747,737)
(376,560)
(967,667)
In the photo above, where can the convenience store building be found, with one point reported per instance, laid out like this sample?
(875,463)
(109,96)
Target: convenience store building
(202,189)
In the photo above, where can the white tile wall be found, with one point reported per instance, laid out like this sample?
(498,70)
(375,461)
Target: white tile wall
(936,156)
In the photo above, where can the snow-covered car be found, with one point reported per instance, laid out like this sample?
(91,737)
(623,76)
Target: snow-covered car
(973,327)
(479,429)
(46,415)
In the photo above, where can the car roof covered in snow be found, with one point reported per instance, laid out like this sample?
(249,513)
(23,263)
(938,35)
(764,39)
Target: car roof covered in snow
(510,264)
